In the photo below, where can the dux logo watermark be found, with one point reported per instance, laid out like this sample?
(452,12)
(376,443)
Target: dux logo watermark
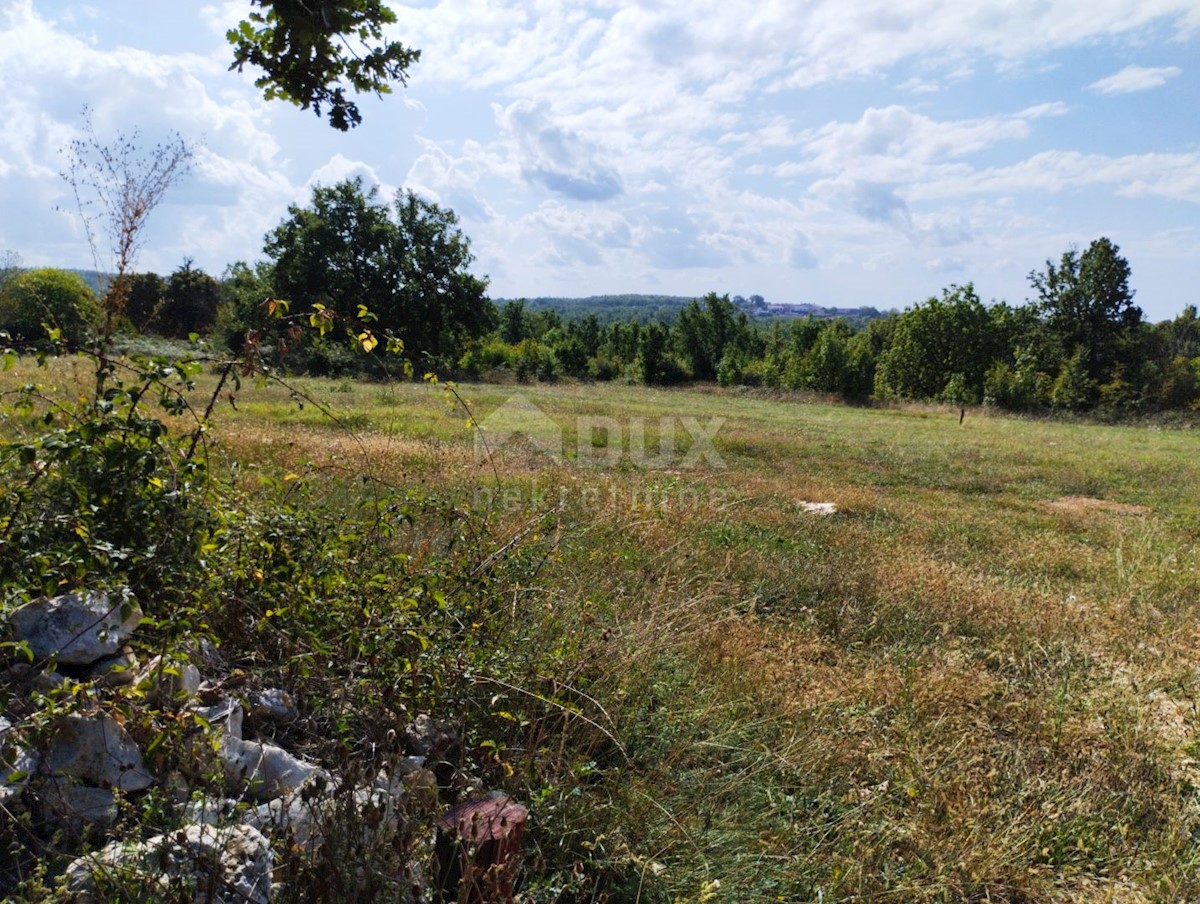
(601,442)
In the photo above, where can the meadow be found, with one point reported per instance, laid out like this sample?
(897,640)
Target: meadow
(975,681)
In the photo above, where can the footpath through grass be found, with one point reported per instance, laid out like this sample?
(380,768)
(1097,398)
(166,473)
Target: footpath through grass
(976,681)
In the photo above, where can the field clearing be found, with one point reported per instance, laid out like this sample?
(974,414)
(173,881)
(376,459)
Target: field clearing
(976,681)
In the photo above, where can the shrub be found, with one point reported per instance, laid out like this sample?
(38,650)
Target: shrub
(43,303)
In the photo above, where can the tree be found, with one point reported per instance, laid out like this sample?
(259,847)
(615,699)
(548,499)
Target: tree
(653,358)
(116,187)
(514,322)
(192,298)
(147,293)
(933,341)
(10,266)
(312,51)
(37,301)
(706,332)
(407,265)
(1089,309)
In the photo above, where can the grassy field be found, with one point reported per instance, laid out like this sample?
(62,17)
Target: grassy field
(975,681)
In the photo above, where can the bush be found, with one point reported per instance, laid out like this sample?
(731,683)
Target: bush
(49,303)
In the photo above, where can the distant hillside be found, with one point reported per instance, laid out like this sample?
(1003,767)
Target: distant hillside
(609,308)
(646,308)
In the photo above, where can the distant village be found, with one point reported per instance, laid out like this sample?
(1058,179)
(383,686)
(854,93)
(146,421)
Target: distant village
(757,306)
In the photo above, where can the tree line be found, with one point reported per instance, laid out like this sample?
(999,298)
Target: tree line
(401,269)
(1080,344)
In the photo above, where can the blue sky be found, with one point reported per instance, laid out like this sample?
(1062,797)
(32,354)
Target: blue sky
(840,152)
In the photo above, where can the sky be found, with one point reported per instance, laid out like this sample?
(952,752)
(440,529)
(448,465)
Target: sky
(835,152)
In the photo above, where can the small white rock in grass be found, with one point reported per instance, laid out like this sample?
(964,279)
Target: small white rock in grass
(818,508)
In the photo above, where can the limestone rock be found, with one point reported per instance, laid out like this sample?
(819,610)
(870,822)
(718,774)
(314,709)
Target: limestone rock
(432,738)
(223,865)
(78,809)
(264,770)
(77,628)
(225,717)
(167,682)
(17,763)
(96,750)
(117,670)
(212,811)
(371,813)
(272,705)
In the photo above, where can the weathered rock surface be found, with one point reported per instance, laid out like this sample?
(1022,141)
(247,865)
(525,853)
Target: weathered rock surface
(264,771)
(224,865)
(167,682)
(114,671)
(305,815)
(77,809)
(272,705)
(96,750)
(77,628)
(432,738)
(225,717)
(17,763)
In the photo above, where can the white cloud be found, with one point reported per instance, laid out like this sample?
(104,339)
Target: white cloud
(1135,78)
(558,158)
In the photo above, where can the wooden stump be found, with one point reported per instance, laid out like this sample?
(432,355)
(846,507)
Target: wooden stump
(478,850)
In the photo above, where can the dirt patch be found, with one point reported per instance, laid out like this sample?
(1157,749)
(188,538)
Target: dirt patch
(1087,504)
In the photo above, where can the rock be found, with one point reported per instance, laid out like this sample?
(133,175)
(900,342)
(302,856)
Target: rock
(77,628)
(96,750)
(264,770)
(167,682)
(113,671)
(229,865)
(78,809)
(430,737)
(45,682)
(17,763)
(272,705)
(292,816)
(225,717)
(212,811)
(372,813)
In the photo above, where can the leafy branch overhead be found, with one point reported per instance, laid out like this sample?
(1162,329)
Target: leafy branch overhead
(312,51)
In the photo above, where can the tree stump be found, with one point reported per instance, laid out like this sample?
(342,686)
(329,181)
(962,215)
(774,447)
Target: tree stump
(478,850)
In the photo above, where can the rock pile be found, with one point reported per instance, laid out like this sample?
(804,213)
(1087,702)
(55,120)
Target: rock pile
(66,756)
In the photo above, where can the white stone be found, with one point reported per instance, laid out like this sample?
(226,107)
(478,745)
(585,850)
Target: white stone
(225,717)
(211,811)
(819,508)
(77,628)
(230,865)
(17,763)
(96,750)
(166,682)
(273,705)
(264,770)
(115,671)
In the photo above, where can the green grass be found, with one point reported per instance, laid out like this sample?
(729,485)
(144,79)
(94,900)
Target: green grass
(977,681)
